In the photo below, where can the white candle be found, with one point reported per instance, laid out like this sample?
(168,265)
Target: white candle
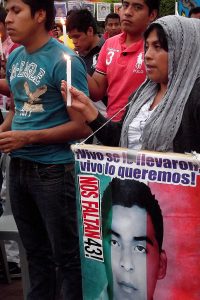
(1,48)
(69,78)
(64,31)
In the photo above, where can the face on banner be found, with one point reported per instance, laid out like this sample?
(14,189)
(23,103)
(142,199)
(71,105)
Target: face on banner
(133,259)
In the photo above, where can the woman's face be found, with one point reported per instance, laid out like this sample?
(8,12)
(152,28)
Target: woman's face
(156,59)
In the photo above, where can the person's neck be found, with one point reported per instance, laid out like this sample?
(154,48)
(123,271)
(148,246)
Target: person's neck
(163,88)
(36,42)
(94,43)
(130,38)
(159,96)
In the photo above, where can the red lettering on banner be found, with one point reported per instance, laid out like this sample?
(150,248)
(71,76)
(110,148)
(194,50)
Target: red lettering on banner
(89,187)
(90,207)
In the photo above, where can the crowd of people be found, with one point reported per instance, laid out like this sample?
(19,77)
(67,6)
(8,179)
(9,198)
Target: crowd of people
(138,82)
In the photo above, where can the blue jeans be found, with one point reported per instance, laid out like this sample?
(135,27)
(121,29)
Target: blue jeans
(44,207)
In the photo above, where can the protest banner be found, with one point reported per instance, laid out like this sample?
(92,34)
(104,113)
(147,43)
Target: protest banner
(139,223)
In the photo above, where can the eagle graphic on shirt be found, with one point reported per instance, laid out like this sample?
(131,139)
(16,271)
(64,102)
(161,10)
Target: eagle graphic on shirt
(33,105)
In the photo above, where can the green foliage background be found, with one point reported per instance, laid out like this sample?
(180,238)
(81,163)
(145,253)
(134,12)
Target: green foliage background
(167,7)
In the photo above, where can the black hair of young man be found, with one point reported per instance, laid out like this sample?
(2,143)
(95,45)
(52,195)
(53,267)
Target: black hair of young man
(81,20)
(46,5)
(128,193)
(112,16)
(152,4)
(195,10)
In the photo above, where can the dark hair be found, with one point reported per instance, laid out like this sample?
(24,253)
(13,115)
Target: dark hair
(128,193)
(194,10)
(3,14)
(69,12)
(81,20)
(152,4)
(48,6)
(112,16)
(161,35)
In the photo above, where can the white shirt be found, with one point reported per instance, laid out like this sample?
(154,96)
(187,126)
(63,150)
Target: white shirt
(137,125)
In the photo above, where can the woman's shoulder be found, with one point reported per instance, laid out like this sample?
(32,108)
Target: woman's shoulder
(195,93)
(196,84)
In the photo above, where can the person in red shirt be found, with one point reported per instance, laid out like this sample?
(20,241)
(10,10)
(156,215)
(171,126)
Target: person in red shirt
(112,25)
(120,68)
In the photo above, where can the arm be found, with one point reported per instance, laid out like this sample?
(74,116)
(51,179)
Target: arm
(189,130)
(97,85)
(108,135)
(6,125)
(4,88)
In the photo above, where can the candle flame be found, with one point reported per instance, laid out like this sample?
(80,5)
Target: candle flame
(67,57)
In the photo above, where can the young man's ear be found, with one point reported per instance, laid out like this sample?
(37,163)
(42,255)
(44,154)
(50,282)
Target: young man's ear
(153,15)
(162,265)
(90,31)
(41,16)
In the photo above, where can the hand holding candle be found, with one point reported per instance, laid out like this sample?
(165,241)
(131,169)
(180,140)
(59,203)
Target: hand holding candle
(69,78)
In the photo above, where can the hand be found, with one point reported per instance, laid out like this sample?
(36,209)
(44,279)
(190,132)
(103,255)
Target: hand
(80,102)
(54,33)
(3,67)
(12,140)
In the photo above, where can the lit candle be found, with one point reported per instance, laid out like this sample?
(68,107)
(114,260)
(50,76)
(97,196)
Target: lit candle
(64,31)
(1,48)
(69,78)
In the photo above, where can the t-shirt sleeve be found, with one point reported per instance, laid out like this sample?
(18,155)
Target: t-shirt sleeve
(79,75)
(8,71)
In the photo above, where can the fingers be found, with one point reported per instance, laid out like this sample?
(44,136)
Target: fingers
(63,86)
(64,90)
(76,94)
(5,145)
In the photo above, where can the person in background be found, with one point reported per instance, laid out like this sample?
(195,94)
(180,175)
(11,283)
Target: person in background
(69,41)
(164,113)
(195,12)
(112,25)
(57,33)
(82,29)
(58,29)
(8,46)
(38,132)
(120,68)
